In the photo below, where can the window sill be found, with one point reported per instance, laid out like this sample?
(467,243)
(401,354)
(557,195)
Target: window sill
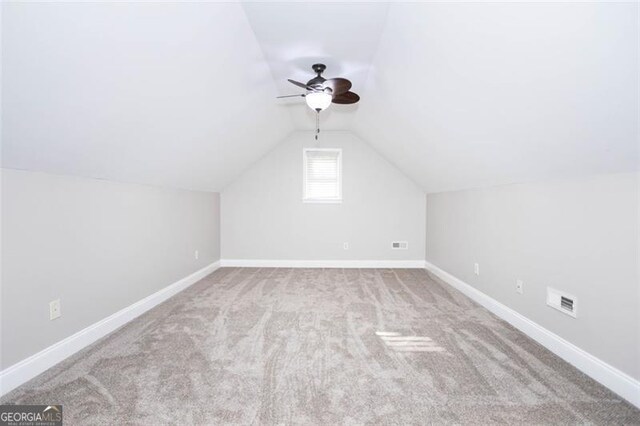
(320,201)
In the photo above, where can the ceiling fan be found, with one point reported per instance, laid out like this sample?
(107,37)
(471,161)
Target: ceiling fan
(322,92)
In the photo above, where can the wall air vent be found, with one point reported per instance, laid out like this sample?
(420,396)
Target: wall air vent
(399,245)
(566,304)
(563,302)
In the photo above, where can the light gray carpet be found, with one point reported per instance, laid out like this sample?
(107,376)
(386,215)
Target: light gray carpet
(321,346)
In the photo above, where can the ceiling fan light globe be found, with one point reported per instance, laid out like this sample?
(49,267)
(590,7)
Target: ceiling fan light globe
(318,100)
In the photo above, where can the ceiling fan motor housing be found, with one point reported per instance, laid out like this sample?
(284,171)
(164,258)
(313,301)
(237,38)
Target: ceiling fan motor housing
(316,82)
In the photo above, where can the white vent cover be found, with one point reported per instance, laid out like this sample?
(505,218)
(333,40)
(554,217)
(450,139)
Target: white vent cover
(563,302)
(399,245)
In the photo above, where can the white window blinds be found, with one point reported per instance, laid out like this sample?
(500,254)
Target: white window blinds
(322,175)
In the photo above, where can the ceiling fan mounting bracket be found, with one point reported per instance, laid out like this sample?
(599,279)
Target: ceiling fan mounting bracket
(319,68)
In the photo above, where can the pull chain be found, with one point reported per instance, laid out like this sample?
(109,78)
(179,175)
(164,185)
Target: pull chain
(317,123)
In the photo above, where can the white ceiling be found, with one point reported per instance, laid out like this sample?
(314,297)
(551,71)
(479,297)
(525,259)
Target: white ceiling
(456,95)
(294,36)
(174,94)
(475,94)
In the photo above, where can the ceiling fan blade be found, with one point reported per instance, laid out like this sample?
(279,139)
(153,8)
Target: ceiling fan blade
(338,86)
(297,83)
(290,96)
(346,98)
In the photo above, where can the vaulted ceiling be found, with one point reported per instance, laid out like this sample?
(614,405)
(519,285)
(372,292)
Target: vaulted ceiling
(456,95)
(174,94)
(476,94)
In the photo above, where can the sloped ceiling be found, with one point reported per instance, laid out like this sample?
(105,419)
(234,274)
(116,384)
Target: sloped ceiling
(457,95)
(475,94)
(174,94)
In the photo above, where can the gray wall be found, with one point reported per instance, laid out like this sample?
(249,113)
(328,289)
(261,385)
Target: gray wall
(580,236)
(99,246)
(263,216)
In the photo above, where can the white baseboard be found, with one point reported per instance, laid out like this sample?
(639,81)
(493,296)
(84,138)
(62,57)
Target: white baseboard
(265,263)
(614,379)
(25,370)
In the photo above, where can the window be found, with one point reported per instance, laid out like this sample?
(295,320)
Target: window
(322,175)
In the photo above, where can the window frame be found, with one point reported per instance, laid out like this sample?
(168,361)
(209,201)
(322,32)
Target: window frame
(306,199)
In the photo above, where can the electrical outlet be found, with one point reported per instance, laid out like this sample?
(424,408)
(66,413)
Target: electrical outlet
(345,246)
(476,268)
(54,309)
(196,255)
(519,287)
